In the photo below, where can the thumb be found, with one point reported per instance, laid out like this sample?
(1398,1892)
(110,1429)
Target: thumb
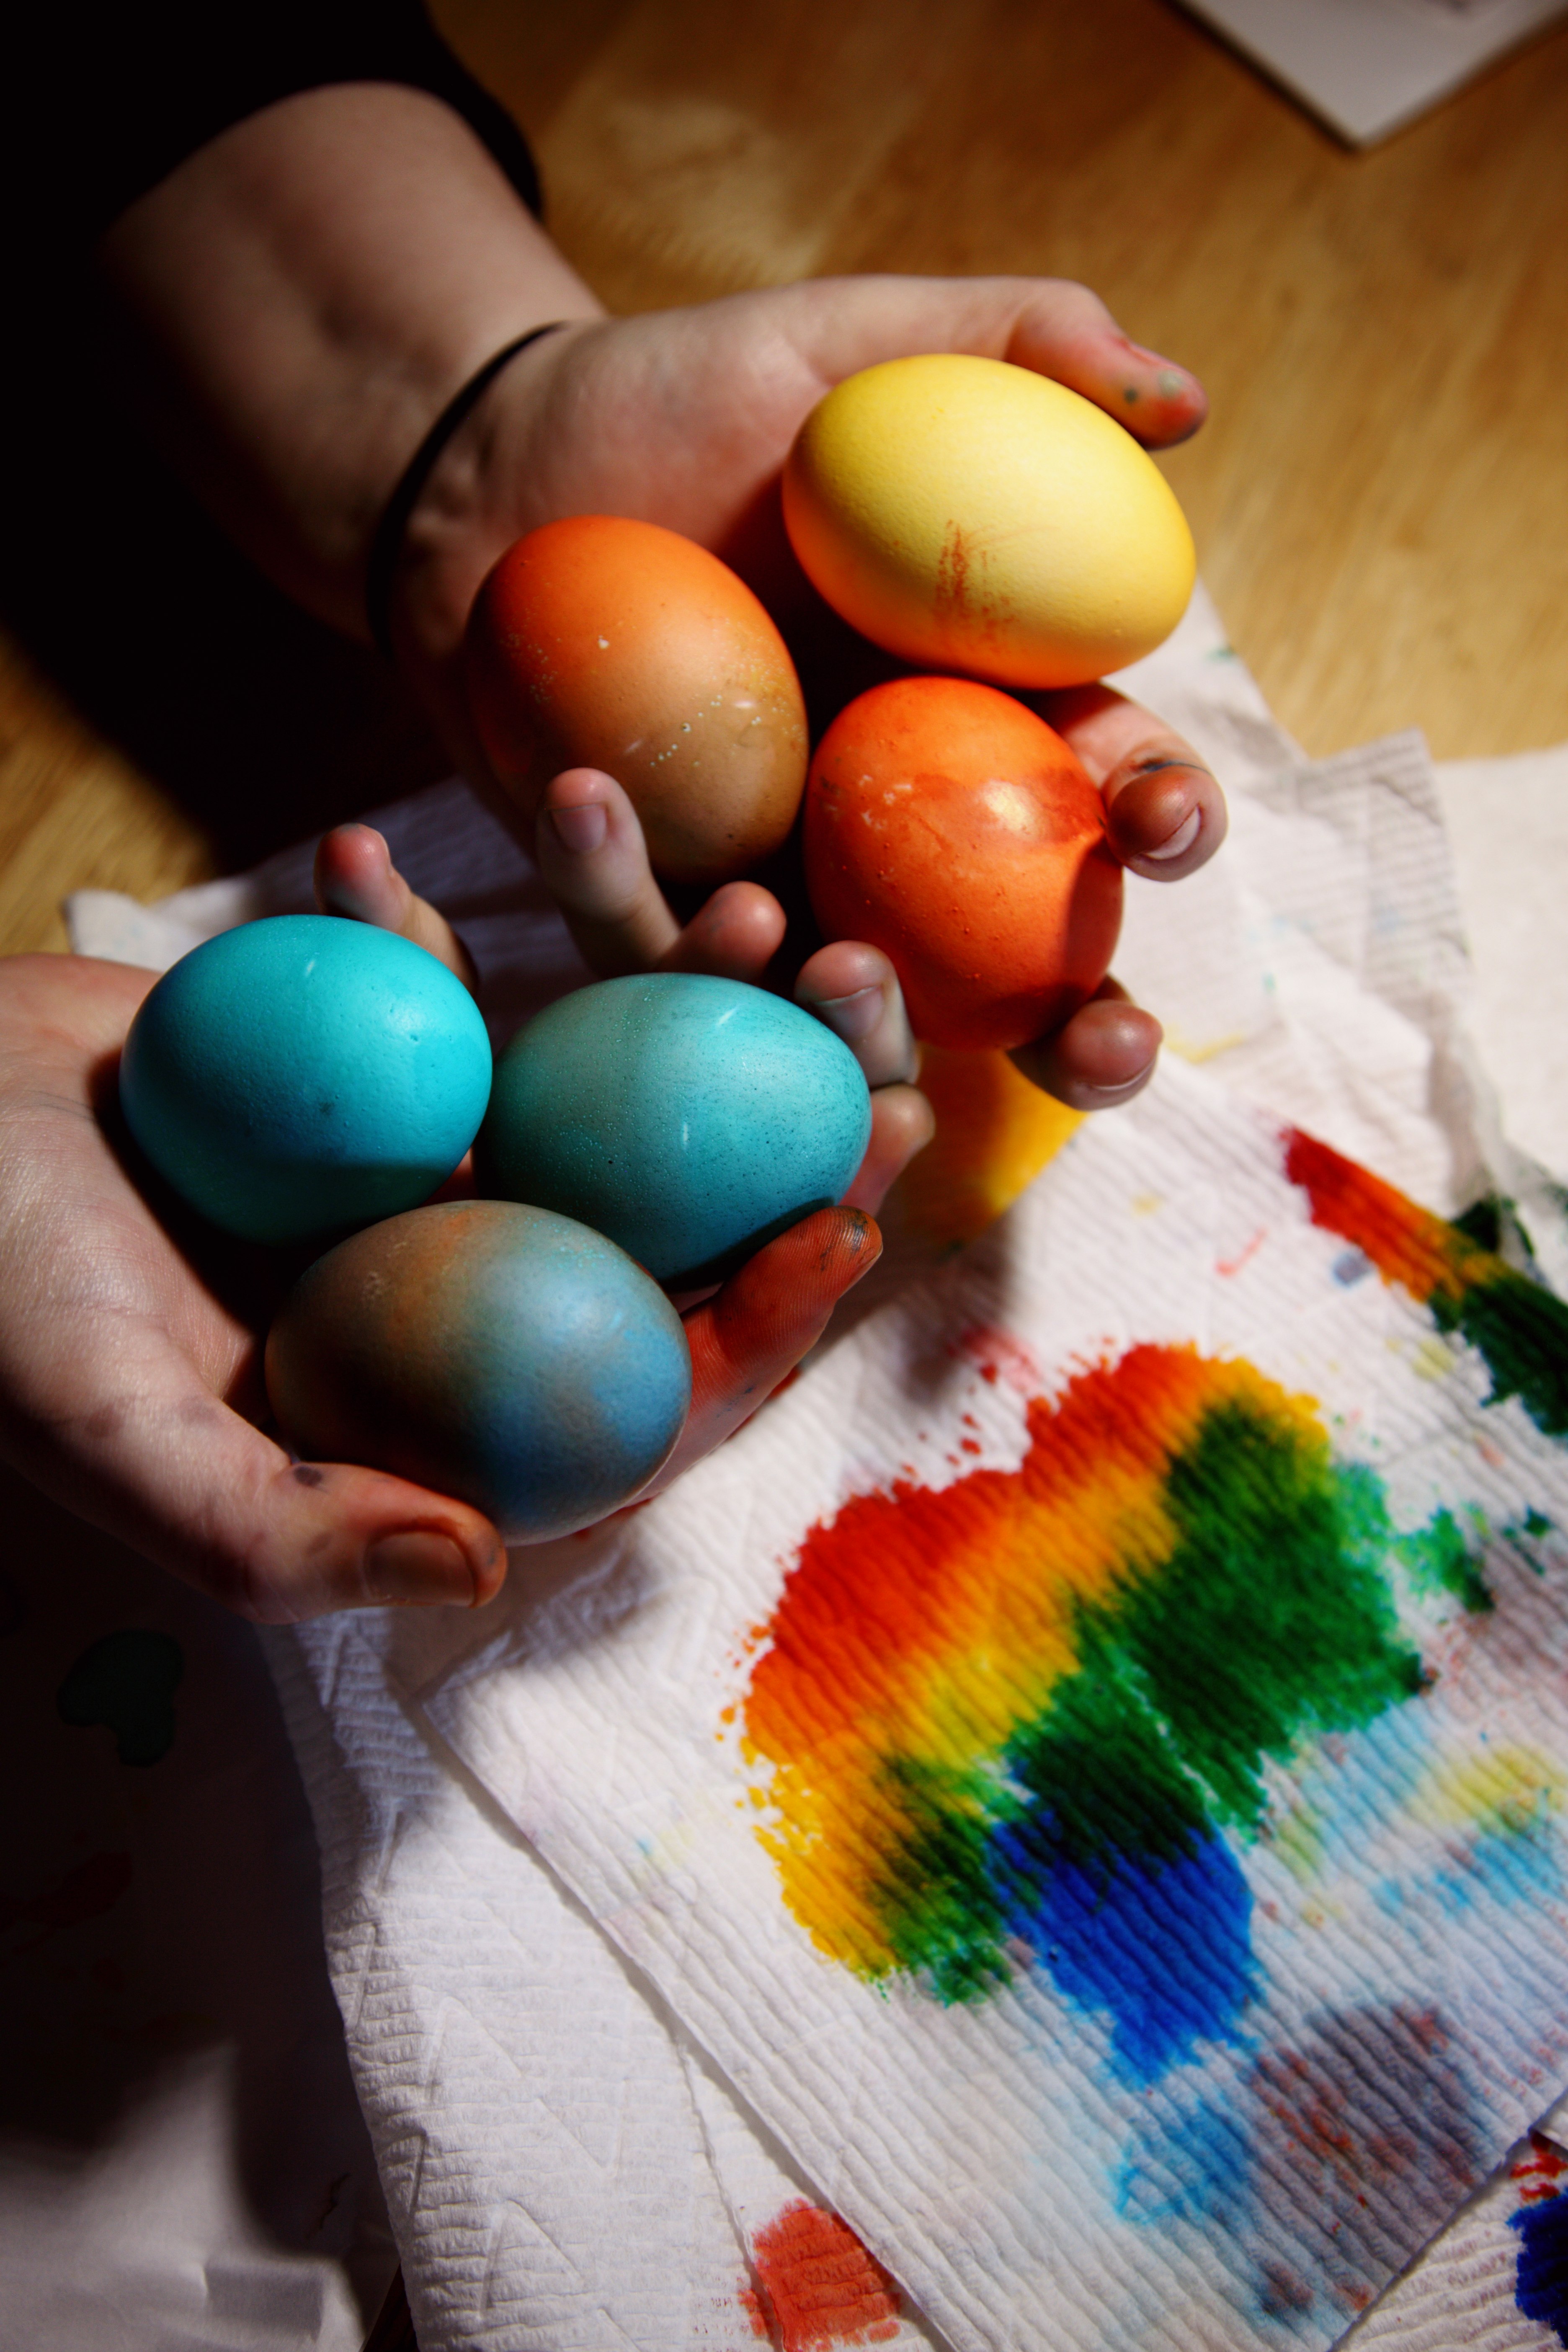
(755,1331)
(173,1472)
(1052,325)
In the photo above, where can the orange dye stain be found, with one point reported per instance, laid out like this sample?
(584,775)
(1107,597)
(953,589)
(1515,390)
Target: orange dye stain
(1407,1245)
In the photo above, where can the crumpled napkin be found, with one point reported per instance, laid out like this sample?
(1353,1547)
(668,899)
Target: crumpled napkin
(564,2161)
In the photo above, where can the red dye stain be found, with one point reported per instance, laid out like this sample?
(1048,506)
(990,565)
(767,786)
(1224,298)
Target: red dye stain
(1539,2175)
(1228,1266)
(818,2285)
(999,1355)
(1406,1244)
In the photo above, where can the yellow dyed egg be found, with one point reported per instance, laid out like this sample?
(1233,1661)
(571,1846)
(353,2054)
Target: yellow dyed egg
(970,515)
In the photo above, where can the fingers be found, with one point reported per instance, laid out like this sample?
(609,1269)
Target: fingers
(755,1331)
(165,1465)
(1103,1056)
(355,877)
(1166,812)
(1064,332)
(854,991)
(903,1124)
(1052,325)
(594,862)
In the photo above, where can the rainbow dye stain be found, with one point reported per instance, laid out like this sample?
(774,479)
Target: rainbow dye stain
(1520,1328)
(1025,1719)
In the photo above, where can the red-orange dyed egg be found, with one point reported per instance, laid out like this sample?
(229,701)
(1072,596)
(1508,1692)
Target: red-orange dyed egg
(948,826)
(604,643)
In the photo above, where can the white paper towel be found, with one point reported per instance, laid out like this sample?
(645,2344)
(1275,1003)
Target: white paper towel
(494,2055)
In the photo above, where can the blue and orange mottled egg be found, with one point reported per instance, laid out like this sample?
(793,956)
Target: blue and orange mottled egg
(499,1353)
(304,1073)
(690,1118)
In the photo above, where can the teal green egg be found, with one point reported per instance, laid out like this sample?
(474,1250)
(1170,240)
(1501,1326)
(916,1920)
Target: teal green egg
(303,1074)
(690,1119)
(501,1354)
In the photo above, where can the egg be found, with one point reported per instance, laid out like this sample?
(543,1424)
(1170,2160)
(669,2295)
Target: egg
(305,1073)
(605,642)
(500,1354)
(970,515)
(690,1119)
(951,828)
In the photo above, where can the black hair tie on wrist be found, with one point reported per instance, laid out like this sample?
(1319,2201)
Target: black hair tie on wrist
(387,544)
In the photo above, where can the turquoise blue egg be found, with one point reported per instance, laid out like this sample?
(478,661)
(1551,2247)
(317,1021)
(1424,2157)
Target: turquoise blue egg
(690,1119)
(500,1354)
(303,1074)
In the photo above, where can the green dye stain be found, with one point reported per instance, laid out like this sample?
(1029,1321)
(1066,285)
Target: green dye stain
(1481,1222)
(1537,1523)
(1521,1330)
(938,1905)
(127,1680)
(1272,1617)
(1439,1558)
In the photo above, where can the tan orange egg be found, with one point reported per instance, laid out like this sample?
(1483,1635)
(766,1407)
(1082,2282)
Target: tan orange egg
(605,643)
(951,828)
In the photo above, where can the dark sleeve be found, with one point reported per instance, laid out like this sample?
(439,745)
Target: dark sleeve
(105,100)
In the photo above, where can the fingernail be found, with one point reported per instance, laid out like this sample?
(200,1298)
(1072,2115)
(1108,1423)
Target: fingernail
(1186,832)
(582,827)
(1128,1086)
(419,1566)
(851,1017)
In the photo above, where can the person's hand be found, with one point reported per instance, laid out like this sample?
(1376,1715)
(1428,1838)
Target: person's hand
(129,1348)
(685,417)
(131,1342)
(311,288)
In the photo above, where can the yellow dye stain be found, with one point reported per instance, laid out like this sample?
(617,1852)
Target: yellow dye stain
(1502,1790)
(995,1132)
(1209,1049)
(1298,1839)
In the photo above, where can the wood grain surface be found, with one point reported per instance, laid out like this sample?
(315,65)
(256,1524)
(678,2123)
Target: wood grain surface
(1380,498)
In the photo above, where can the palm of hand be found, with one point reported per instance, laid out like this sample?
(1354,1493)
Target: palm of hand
(125,1372)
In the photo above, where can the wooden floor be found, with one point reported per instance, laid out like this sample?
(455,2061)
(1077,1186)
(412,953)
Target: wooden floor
(1380,500)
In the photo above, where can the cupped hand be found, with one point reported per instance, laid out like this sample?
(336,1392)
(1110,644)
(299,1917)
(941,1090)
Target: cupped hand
(130,1354)
(685,417)
(752,1331)
(131,1341)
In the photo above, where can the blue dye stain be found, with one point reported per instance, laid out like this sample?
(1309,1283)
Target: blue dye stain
(1190,2163)
(1350,1267)
(1163,1946)
(1541,2277)
(1505,1866)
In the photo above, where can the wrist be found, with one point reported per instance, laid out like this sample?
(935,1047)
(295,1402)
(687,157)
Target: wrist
(306,291)
(493,482)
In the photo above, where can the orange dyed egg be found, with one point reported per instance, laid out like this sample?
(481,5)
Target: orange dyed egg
(951,828)
(604,643)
